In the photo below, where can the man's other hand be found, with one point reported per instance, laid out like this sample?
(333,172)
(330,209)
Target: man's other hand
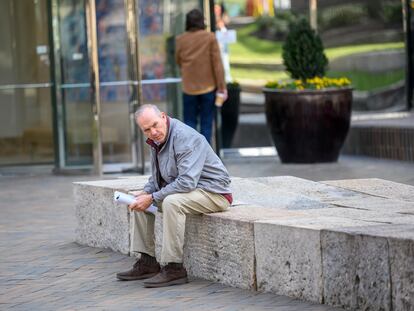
(142,202)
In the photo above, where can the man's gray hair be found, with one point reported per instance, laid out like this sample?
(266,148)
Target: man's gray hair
(144,107)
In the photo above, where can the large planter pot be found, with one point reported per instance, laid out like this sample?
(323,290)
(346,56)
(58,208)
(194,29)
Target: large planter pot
(230,115)
(308,126)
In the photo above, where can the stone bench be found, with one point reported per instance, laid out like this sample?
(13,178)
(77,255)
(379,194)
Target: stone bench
(347,243)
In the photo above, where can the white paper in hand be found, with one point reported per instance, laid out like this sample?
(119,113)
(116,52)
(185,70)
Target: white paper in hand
(128,199)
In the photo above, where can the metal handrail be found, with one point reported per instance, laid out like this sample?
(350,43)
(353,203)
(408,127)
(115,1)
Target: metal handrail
(25,86)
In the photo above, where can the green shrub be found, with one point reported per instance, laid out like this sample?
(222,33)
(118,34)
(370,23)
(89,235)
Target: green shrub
(303,53)
(341,15)
(391,13)
(275,27)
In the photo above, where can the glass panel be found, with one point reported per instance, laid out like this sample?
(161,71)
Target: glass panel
(73,43)
(160,21)
(110,15)
(162,95)
(25,126)
(24,44)
(78,126)
(116,129)
(26,132)
(112,45)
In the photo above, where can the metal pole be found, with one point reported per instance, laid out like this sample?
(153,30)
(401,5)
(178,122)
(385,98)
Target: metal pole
(211,19)
(313,14)
(95,85)
(136,75)
(206,12)
(409,40)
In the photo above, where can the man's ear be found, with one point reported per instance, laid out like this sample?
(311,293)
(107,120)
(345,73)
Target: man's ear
(163,115)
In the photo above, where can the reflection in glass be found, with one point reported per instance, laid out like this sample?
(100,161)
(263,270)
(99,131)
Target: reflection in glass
(112,37)
(26,126)
(26,135)
(116,130)
(74,48)
(24,44)
(78,128)
(160,22)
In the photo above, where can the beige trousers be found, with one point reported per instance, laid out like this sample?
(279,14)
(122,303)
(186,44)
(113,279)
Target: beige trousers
(174,209)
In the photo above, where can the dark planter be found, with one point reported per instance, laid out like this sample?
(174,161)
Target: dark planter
(308,126)
(230,115)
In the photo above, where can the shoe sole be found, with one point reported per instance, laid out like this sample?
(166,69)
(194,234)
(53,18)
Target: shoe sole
(136,278)
(173,282)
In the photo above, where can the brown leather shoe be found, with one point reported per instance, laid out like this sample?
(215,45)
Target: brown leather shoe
(171,274)
(145,268)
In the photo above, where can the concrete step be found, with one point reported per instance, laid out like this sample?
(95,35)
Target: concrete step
(381,135)
(345,243)
(252,103)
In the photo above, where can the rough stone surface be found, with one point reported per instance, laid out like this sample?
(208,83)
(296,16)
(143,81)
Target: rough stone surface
(289,255)
(356,271)
(250,191)
(314,190)
(376,216)
(220,246)
(401,252)
(377,204)
(220,249)
(377,187)
(101,222)
(400,256)
(347,244)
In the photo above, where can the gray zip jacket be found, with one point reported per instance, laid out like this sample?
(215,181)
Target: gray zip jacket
(186,162)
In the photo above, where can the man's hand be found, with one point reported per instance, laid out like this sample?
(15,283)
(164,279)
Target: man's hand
(141,203)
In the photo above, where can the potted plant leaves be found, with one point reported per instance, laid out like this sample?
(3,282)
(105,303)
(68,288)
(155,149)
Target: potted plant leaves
(308,115)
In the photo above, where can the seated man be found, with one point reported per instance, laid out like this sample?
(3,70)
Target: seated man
(187,178)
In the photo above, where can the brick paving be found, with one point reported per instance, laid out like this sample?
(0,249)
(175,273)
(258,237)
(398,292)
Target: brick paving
(41,268)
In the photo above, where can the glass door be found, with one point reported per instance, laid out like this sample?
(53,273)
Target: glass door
(74,88)
(135,65)
(26,128)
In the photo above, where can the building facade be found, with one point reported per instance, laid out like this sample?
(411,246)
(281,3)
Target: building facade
(49,94)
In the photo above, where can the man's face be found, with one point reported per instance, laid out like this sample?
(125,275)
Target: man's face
(154,126)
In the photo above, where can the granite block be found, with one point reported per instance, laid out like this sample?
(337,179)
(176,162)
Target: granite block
(101,222)
(249,191)
(356,270)
(376,187)
(289,255)
(314,190)
(220,246)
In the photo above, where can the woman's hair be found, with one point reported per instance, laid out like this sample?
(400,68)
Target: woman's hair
(194,20)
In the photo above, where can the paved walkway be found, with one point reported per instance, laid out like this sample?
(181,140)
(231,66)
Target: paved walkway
(41,268)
